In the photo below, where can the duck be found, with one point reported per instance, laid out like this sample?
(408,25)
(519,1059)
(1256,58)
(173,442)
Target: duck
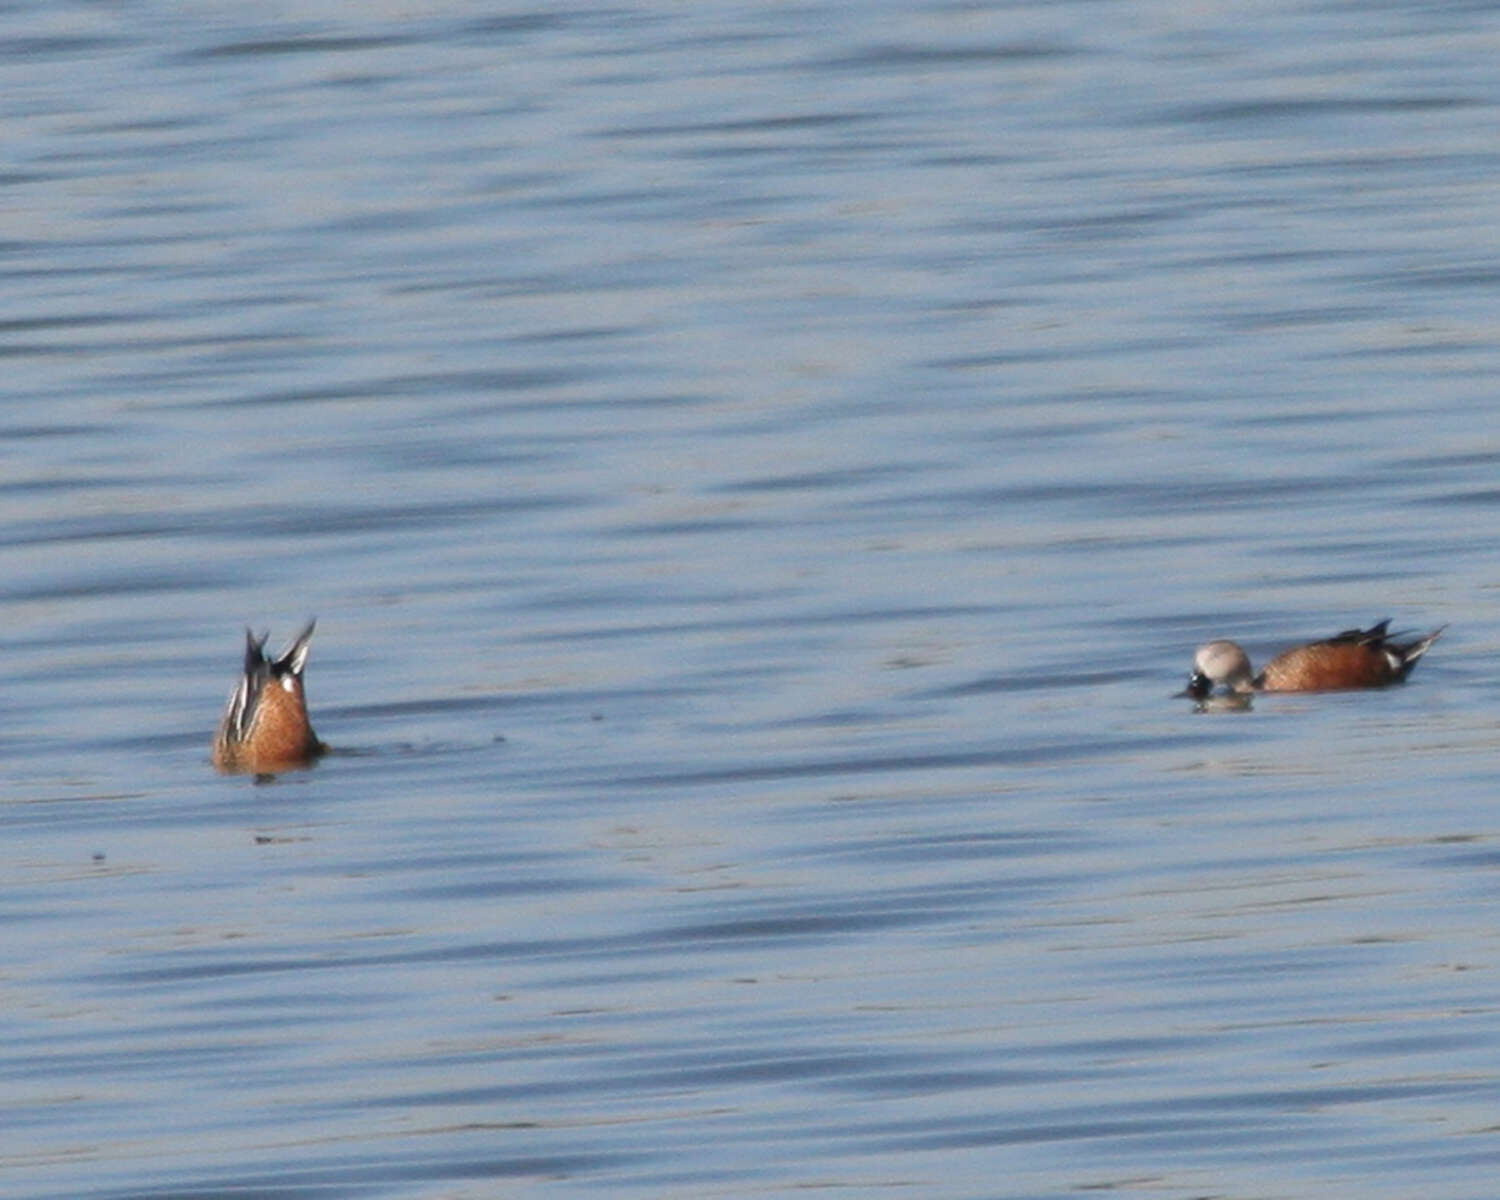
(265,729)
(1355,658)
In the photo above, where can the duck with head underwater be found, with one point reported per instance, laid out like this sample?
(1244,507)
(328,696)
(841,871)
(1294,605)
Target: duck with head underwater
(265,728)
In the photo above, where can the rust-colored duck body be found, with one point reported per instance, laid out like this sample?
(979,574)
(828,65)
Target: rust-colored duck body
(265,728)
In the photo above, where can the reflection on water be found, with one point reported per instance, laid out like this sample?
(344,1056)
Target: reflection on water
(761,473)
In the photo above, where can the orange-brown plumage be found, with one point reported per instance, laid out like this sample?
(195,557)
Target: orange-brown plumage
(265,727)
(1327,666)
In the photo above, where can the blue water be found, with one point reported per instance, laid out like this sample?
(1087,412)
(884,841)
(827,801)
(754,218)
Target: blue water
(760,472)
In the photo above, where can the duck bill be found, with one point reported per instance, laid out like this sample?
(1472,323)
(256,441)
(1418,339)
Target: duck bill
(1199,686)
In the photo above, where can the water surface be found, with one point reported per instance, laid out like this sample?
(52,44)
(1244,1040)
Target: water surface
(760,472)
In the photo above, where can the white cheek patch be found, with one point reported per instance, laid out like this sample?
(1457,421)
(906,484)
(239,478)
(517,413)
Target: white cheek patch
(289,684)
